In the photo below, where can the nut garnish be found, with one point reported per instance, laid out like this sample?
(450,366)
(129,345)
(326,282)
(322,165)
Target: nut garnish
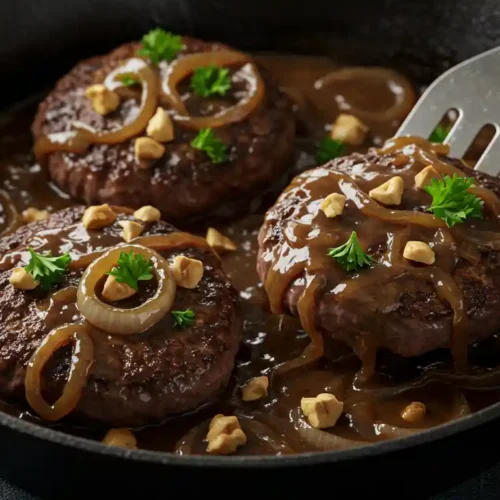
(120,437)
(219,242)
(349,129)
(114,291)
(104,101)
(424,177)
(390,192)
(414,412)
(148,149)
(147,214)
(224,435)
(131,229)
(255,389)
(187,272)
(22,280)
(333,205)
(98,216)
(160,127)
(32,214)
(322,411)
(418,251)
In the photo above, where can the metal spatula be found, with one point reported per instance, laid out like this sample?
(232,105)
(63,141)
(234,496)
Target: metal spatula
(473,89)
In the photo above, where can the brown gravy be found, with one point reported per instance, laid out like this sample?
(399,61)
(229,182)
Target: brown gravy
(275,425)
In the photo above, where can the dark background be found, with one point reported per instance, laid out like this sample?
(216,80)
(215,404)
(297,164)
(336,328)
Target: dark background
(40,39)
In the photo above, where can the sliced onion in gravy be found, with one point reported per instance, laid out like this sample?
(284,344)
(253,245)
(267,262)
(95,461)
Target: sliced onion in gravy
(118,320)
(149,102)
(73,141)
(81,359)
(175,72)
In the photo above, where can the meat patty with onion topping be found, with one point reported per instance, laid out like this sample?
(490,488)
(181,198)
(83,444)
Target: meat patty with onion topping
(248,118)
(135,376)
(395,249)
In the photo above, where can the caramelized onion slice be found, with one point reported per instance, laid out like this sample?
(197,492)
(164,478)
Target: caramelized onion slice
(399,86)
(73,141)
(125,321)
(81,359)
(175,72)
(149,102)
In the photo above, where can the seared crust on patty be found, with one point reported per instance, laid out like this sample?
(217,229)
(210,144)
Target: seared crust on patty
(134,380)
(401,311)
(183,182)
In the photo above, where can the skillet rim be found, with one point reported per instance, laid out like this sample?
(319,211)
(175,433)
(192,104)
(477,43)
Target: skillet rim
(433,434)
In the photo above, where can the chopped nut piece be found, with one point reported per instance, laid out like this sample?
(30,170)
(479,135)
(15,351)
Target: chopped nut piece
(424,177)
(419,251)
(224,435)
(114,291)
(390,192)
(22,280)
(219,242)
(104,101)
(131,229)
(148,149)
(120,437)
(147,214)
(322,411)
(255,389)
(187,272)
(349,129)
(333,205)
(98,216)
(414,412)
(160,127)
(32,214)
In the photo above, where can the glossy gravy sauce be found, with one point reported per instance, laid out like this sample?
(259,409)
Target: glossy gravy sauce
(275,425)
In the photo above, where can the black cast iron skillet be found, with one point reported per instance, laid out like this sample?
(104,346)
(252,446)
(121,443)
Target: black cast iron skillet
(41,39)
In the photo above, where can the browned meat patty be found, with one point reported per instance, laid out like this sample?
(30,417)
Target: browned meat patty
(390,304)
(134,380)
(183,182)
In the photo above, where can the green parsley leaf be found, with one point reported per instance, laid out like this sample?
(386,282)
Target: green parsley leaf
(160,45)
(350,255)
(131,269)
(210,80)
(46,269)
(329,149)
(128,80)
(183,318)
(452,202)
(207,142)
(439,134)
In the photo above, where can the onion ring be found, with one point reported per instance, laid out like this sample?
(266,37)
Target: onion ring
(125,321)
(81,359)
(399,86)
(175,72)
(149,102)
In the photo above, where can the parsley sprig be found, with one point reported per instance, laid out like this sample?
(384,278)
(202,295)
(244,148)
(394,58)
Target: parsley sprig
(128,80)
(131,269)
(183,318)
(210,80)
(350,255)
(207,142)
(439,134)
(329,149)
(46,269)
(160,45)
(452,202)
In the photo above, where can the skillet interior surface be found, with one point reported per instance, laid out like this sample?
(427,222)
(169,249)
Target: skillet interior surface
(421,38)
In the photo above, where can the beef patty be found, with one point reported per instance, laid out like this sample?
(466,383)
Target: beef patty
(406,307)
(184,181)
(134,380)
